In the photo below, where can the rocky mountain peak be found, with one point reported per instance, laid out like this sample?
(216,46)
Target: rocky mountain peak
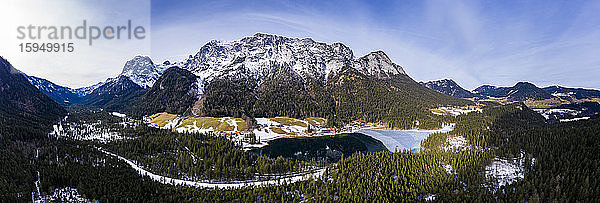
(377,63)
(142,71)
(258,53)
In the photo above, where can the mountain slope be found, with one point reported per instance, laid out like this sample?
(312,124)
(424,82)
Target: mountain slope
(24,108)
(379,65)
(521,91)
(399,101)
(231,95)
(60,94)
(142,71)
(448,87)
(117,94)
(174,92)
(491,91)
(284,92)
(578,93)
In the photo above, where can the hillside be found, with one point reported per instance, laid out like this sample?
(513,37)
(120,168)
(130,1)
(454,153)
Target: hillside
(448,87)
(491,91)
(574,95)
(174,92)
(523,91)
(116,94)
(25,112)
(62,95)
(398,100)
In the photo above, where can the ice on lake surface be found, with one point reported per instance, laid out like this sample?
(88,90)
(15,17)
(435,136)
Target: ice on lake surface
(402,139)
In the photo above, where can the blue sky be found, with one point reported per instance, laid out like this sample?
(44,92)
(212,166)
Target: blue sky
(473,42)
(87,64)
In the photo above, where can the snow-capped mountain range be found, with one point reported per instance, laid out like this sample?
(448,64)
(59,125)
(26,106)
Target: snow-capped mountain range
(254,58)
(140,70)
(256,55)
(60,94)
(84,91)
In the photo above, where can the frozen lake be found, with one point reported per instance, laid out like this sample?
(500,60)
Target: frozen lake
(402,139)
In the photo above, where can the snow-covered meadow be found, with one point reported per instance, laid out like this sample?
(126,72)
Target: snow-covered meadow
(397,140)
(455,111)
(506,171)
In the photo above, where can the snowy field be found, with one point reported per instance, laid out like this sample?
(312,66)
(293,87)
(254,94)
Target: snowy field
(236,129)
(402,139)
(454,111)
(456,142)
(66,194)
(574,119)
(506,171)
(84,131)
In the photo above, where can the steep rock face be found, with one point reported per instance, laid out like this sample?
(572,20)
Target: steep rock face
(24,108)
(142,71)
(448,87)
(174,92)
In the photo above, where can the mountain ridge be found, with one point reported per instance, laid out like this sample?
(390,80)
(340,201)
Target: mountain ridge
(448,87)
(24,110)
